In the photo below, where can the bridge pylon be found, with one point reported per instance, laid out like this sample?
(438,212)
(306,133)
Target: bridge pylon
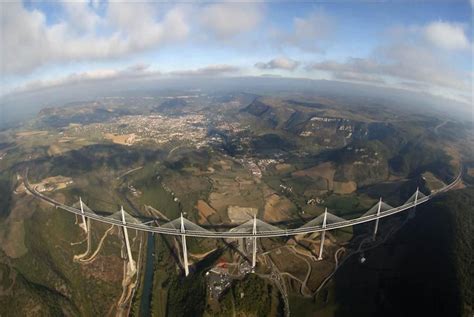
(254,242)
(84,223)
(323,234)
(185,249)
(377,220)
(131,263)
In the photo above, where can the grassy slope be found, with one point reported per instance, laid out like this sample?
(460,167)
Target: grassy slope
(46,276)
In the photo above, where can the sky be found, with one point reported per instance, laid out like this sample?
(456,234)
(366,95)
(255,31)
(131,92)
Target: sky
(424,46)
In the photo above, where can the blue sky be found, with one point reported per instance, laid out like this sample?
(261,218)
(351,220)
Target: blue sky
(425,46)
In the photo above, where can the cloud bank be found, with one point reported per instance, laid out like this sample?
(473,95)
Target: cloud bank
(137,71)
(416,57)
(278,63)
(83,33)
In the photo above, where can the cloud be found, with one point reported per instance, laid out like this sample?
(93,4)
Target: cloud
(226,20)
(210,70)
(353,69)
(137,24)
(135,71)
(80,16)
(401,62)
(82,34)
(101,31)
(407,56)
(449,36)
(279,63)
(360,77)
(309,33)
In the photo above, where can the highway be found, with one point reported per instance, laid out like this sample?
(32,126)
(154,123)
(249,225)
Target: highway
(203,233)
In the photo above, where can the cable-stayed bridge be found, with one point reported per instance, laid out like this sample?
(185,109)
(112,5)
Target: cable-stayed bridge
(252,229)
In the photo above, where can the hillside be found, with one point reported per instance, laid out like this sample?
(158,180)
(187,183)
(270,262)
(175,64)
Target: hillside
(425,269)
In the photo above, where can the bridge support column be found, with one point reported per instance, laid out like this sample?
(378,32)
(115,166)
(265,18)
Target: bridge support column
(254,240)
(131,263)
(377,220)
(416,196)
(84,223)
(185,248)
(323,235)
(415,202)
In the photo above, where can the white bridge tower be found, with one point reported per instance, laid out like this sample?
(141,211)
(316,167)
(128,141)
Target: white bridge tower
(379,208)
(131,263)
(84,223)
(254,241)
(185,249)
(323,235)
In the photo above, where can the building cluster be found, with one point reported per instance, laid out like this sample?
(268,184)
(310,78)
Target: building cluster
(264,163)
(163,129)
(288,189)
(218,280)
(233,127)
(251,166)
(135,192)
(155,128)
(256,168)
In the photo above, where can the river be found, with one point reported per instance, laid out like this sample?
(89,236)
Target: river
(145,303)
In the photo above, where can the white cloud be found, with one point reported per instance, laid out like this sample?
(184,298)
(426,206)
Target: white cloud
(123,28)
(279,63)
(126,28)
(132,72)
(450,36)
(210,70)
(81,16)
(397,61)
(226,20)
(138,27)
(412,57)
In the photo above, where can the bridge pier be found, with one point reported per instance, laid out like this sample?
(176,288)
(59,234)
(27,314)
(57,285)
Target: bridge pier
(377,220)
(185,249)
(416,195)
(254,240)
(131,263)
(84,223)
(415,202)
(323,235)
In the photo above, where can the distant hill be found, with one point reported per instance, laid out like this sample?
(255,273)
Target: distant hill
(171,106)
(264,112)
